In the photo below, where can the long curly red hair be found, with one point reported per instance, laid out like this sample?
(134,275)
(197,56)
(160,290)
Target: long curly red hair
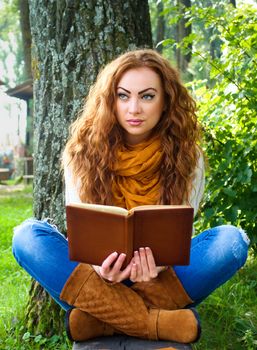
(96,134)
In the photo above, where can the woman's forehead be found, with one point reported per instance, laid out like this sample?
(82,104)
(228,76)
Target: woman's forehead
(140,79)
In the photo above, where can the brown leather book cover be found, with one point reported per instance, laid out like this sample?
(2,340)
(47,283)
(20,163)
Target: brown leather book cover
(95,231)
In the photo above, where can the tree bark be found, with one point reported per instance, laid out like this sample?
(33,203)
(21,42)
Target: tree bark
(183,31)
(72,40)
(160,26)
(26,36)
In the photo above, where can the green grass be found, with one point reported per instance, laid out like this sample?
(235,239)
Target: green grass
(13,210)
(15,207)
(229,315)
(14,282)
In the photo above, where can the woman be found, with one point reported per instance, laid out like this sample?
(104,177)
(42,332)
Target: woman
(135,143)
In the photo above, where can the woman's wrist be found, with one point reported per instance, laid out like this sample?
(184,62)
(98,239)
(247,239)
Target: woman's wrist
(97,270)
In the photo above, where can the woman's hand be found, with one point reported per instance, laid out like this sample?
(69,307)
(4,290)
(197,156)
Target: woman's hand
(110,270)
(143,267)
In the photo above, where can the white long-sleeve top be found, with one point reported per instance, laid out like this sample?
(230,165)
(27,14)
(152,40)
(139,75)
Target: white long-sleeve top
(72,189)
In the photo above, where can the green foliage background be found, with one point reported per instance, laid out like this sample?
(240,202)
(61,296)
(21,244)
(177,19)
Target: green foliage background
(11,50)
(225,87)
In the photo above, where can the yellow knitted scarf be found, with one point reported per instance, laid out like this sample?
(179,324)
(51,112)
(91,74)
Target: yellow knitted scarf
(137,175)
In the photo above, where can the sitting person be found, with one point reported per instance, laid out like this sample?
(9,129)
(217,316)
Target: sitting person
(136,142)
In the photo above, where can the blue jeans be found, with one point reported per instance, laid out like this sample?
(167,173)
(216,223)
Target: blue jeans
(216,254)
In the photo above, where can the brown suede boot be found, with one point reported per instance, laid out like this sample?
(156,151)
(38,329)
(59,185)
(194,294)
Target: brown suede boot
(81,326)
(182,326)
(124,310)
(164,292)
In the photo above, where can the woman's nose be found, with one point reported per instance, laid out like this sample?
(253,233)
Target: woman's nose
(134,106)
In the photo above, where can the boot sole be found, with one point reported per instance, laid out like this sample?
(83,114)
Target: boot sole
(67,324)
(199,329)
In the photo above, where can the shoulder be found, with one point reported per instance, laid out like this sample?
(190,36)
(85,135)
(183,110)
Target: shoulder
(72,186)
(200,163)
(67,168)
(198,182)
(198,174)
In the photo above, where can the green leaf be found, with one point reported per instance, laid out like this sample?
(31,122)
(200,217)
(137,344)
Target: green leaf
(38,338)
(228,191)
(231,214)
(231,89)
(209,212)
(26,336)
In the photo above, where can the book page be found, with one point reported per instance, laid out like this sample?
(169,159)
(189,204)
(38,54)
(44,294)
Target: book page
(101,208)
(157,207)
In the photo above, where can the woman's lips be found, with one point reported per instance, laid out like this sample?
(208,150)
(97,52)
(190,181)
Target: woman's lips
(135,122)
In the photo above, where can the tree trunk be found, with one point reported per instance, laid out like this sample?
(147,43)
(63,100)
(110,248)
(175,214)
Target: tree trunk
(26,35)
(160,26)
(183,31)
(71,39)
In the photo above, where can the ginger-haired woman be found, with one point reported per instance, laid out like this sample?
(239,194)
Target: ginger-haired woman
(135,142)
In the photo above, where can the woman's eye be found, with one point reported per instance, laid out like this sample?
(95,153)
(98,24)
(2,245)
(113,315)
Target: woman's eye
(147,97)
(122,96)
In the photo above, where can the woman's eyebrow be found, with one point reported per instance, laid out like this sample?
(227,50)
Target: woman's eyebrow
(140,92)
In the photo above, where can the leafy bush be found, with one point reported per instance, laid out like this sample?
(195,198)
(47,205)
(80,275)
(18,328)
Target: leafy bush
(228,111)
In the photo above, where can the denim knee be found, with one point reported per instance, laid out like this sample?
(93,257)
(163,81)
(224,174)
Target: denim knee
(23,242)
(236,240)
(22,239)
(42,251)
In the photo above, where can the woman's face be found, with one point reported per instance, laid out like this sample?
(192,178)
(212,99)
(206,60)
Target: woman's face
(139,103)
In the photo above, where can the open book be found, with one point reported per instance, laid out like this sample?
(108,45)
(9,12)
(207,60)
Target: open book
(95,231)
